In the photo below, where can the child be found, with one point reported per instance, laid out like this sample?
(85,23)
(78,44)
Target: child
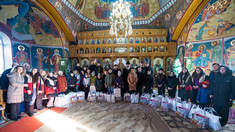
(148,83)
(203,96)
(78,83)
(86,84)
(62,83)
(98,83)
(72,82)
(93,78)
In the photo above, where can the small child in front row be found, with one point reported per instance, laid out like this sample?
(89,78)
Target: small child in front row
(203,96)
(86,84)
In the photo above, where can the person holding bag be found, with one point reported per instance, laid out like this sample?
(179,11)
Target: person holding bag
(51,89)
(185,88)
(222,92)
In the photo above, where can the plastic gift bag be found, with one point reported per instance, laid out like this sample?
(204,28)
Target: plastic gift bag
(117,92)
(194,109)
(112,98)
(174,106)
(91,97)
(62,101)
(92,89)
(199,120)
(73,99)
(154,103)
(101,98)
(165,106)
(181,111)
(81,96)
(231,117)
(118,99)
(137,96)
(214,122)
(127,98)
(109,98)
(132,98)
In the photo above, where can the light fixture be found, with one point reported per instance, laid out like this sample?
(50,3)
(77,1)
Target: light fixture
(121,19)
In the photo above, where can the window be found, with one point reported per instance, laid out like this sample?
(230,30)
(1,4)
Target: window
(5,52)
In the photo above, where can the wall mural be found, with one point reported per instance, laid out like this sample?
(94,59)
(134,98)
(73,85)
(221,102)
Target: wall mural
(100,10)
(21,53)
(229,53)
(179,60)
(216,20)
(24,22)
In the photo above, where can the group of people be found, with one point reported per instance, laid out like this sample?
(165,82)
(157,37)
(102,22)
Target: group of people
(32,85)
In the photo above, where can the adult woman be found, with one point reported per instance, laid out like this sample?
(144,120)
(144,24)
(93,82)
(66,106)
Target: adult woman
(132,80)
(161,80)
(15,91)
(51,89)
(185,88)
(222,93)
(172,82)
(198,77)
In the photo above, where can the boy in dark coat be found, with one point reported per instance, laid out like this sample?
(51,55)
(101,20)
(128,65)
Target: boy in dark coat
(72,80)
(140,81)
(161,81)
(172,82)
(148,83)
(203,96)
(222,92)
(98,83)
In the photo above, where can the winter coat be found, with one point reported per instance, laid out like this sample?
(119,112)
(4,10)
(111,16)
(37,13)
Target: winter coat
(125,74)
(93,78)
(146,69)
(50,83)
(72,81)
(201,79)
(115,72)
(86,81)
(98,84)
(109,79)
(186,80)
(99,69)
(132,81)
(27,97)
(118,82)
(161,80)
(92,67)
(78,68)
(62,83)
(103,81)
(4,81)
(223,89)
(172,82)
(148,83)
(15,92)
(213,75)
(140,81)
(203,96)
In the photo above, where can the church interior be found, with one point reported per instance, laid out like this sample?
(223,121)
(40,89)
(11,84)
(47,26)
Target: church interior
(161,36)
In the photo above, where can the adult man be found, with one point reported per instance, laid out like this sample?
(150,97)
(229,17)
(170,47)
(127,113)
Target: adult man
(92,67)
(99,69)
(215,71)
(115,70)
(110,81)
(147,68)
(78,68)
(126,71)
(223,93)
(140,81)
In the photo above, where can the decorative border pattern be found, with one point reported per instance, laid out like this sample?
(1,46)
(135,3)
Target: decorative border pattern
(164,8)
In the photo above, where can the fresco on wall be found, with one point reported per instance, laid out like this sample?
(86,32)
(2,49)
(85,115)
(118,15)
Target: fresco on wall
(25,22)
(203,54)
(179,60)
(100,10)
(216,20)
(157,64)
(229,53)
(21,53)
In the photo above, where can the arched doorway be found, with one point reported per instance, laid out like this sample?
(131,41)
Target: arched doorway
(5,52)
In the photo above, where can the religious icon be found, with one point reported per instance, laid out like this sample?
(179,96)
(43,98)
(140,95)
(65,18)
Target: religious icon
(109,41)
(137,40)
(162,49)
(189,52)
(134,63)
(167,17)
(169,66)
(202,57)
(86,51)
(150,32)
(40,59)
(86,42)
(115,50)
(55,60)
(103,41)
(104,50)
(114,40)
(120,63)
(142,32)
(137,49)
(81,51)
(143,40)
(85,63)
(149,49)
(131,40)
(98,50)
(21,56)
(107,63)
(179,15)
(109,50)
(80,42)
(155,49)
(92,34)
(143,49)
(92,41)
(162,39)
(131,50)
(150,39)
(156,39)
(157,64)
(92,50)
(97,41)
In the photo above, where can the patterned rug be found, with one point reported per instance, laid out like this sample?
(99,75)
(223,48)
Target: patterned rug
(105,117)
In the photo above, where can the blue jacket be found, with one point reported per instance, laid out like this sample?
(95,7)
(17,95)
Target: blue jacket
(203,96)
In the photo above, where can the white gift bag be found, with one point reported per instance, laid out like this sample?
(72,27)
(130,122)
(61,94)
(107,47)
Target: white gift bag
(92,89)
(81,96)
(195,109)
(108,98)
(105,97)
(117,92)
(137,96)
(132,98)
(62,101)
(112,98)
(127,98)
(214,122)
(188,105)
(174,105)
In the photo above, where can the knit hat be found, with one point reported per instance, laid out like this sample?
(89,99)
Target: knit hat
(119,72)
(93,73)
(98,75)
(207,83)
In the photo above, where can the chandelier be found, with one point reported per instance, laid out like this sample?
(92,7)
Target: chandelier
(121,19)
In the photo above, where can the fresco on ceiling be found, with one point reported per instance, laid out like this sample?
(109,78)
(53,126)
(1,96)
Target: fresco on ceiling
(24,22)
(203,54)
(216,20)
(100,10)
(229,53)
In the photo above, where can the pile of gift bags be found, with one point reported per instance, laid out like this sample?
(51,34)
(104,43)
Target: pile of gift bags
(63,100)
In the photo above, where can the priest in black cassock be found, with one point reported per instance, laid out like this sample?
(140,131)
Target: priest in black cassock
(126,71)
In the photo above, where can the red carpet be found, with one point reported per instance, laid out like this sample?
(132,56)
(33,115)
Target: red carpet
(28,124)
